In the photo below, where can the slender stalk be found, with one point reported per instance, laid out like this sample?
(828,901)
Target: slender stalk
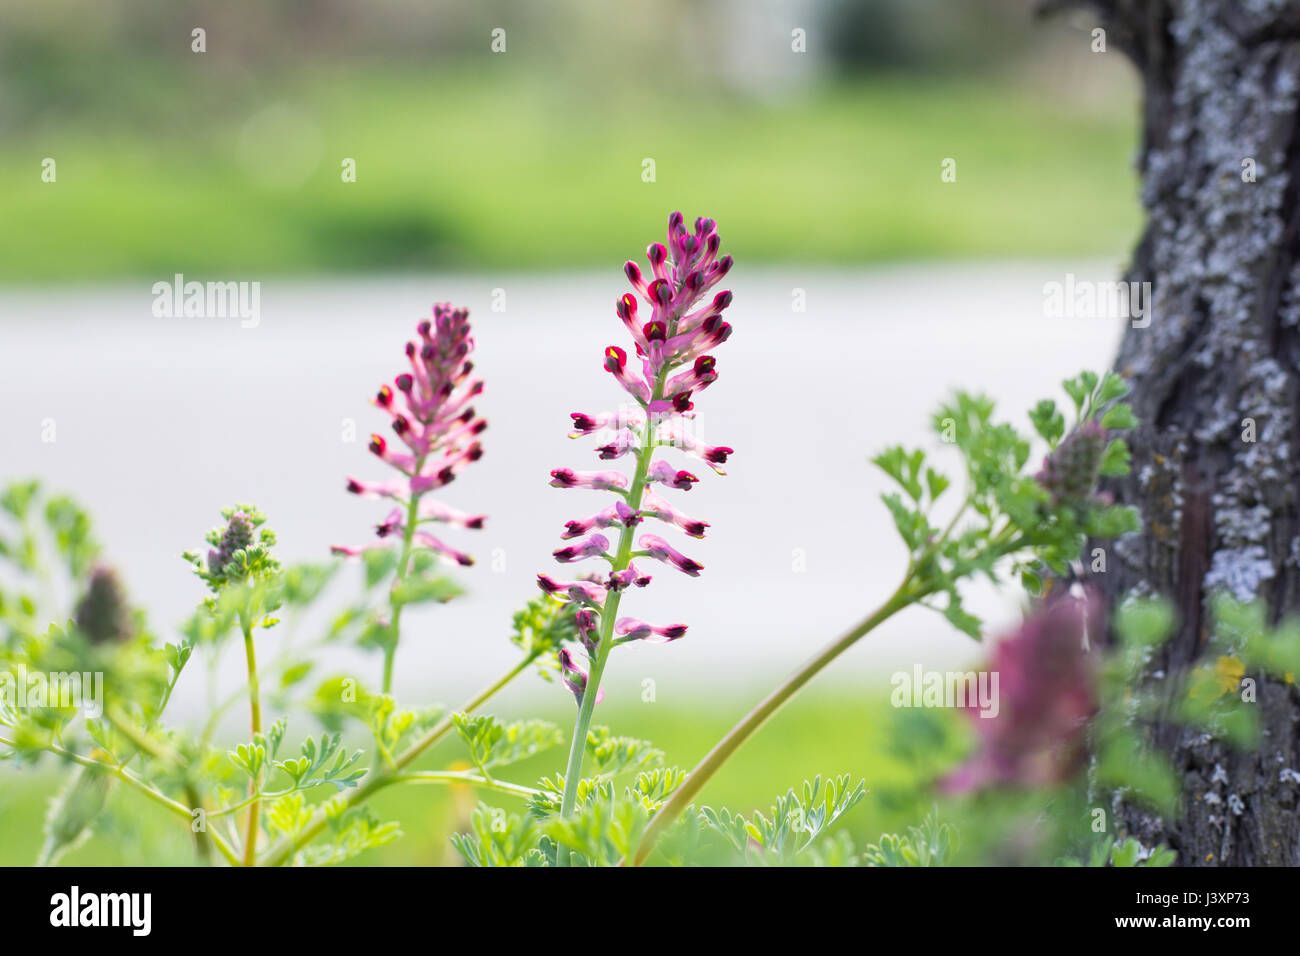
(281,852)
(760,714)
(475,780)
(255,709)
(403,569)
(608,614)
(139,785)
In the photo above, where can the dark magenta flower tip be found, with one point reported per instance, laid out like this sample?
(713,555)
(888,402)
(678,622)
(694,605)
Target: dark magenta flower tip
(589,547)
(377,444)
(385,397)
(633,629)
(722,300)
(675,220)
(718,455)
(563,478)
(656,252)
(661,291)
(665,473)
(659,549)
(615,359)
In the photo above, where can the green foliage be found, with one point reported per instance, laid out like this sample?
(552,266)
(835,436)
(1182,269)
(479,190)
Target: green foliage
(73,812)
(499,839)
(930,844)
(608,755)
(326,762)
(1215,695)
(1124,760)
(1106,851)
(1020,528)
(792,824)
(420,589)
(539,629)
(389,724)
(492,743)
(351,832)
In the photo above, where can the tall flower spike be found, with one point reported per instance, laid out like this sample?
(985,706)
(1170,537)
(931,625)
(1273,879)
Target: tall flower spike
(674,321)
(436,432)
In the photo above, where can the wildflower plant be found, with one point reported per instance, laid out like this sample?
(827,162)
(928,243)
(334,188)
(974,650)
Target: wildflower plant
(672,341)
(1005,512)
(431,414)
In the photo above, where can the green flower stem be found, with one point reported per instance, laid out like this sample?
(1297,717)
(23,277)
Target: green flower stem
(608,614)
(403,569)
(278,665)
(913,590)
(681,798)
(131,780)
(146,744)
(255,710)
(476,780)
(283,851)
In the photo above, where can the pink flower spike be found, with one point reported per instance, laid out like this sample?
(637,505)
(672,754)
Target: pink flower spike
(575,678)
(596,480)
(666,474)
(653,506)
(659,549)
(632,629)
(592,546)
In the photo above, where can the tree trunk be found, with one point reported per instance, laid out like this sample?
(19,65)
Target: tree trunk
(1221,354)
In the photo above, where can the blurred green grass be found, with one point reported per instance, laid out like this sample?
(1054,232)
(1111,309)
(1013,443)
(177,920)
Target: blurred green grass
(487,169)
(836,731)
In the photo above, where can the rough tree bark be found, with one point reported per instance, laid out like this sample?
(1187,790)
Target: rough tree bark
(1221,83)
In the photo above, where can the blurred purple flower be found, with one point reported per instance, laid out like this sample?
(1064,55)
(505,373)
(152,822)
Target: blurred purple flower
(1046,695)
